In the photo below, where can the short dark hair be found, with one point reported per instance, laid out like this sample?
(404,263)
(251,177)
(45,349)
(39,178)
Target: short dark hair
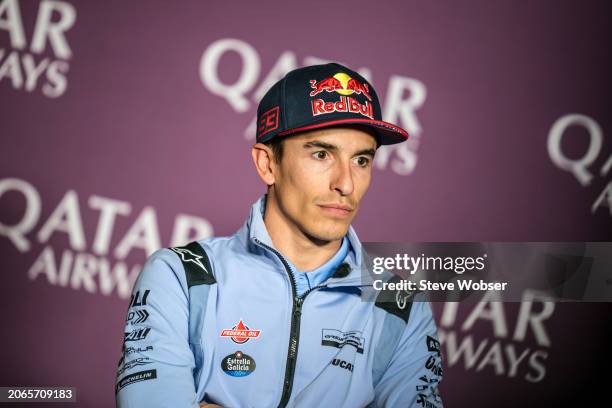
(276,144)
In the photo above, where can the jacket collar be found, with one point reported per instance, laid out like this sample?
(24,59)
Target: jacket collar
(254,230)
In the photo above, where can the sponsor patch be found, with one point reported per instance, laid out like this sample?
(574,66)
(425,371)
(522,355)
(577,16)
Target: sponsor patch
(426,379)
(268,121)
(339,339)
(137,334)
(238,364)
(240,333)
(136,377)
(432,365)
(130,350)
(433,345)
(137,316)
(342,84)
(344,104)
(342,364)
(137,300)
(424,402)
(133,363)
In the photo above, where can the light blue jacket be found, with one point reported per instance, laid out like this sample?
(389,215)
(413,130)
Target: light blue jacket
(219,321)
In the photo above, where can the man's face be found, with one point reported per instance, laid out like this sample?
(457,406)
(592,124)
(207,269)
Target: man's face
(322,177)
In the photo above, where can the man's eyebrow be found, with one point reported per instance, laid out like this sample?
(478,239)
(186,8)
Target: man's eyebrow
(331,147)
(367,152)
(318,143)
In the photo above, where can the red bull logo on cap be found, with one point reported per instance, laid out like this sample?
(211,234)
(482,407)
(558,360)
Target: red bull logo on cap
(341,83)
(344,85)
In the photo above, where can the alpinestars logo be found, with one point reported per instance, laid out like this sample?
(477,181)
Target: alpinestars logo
(401,298)
(133,363)
(240,333)
(188,256)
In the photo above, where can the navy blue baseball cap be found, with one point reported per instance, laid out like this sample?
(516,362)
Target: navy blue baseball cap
(320,96)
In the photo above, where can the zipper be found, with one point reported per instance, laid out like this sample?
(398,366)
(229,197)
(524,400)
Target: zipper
(294,333)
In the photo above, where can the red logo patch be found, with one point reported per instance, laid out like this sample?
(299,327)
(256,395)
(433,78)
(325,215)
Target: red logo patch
(268,122)
(333,84)
(345,104)
(240,333)
(328,84)
(347,87)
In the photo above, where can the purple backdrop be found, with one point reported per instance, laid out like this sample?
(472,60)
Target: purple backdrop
(126,126)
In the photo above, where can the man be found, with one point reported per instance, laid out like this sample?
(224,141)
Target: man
(273,315)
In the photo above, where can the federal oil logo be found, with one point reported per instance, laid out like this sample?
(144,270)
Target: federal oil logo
(240,333)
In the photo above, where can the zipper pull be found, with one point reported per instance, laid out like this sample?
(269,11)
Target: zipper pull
(298,306)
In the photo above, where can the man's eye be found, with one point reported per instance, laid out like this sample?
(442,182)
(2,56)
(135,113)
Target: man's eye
(322,154)
(363,161)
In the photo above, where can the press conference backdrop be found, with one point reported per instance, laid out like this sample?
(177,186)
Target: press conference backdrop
(127,126)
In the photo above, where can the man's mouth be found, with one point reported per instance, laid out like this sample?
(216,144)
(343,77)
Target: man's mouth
(337,209)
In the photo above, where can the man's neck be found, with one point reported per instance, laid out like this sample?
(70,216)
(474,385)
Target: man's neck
(303,252)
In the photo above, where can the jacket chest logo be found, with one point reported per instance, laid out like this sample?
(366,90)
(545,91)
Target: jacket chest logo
(238,364)
(343,364)
(338,339)
(240,333)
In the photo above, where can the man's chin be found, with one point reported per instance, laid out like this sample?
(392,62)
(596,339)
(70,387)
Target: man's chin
(324,235)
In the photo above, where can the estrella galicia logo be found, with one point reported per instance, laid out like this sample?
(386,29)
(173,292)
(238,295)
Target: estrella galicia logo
(137,334)
(238,364)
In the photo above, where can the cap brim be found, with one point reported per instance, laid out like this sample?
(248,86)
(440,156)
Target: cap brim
(387,133)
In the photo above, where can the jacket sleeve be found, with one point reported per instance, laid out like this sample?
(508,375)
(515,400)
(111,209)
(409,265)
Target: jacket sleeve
(413,373)
(156,366)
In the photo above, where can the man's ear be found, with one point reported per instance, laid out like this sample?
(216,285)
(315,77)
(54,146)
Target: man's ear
(263,158)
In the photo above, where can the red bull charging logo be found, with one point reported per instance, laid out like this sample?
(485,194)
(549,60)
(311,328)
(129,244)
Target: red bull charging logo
(344,85)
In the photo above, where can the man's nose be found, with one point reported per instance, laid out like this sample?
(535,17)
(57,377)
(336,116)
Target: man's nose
(342,180)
